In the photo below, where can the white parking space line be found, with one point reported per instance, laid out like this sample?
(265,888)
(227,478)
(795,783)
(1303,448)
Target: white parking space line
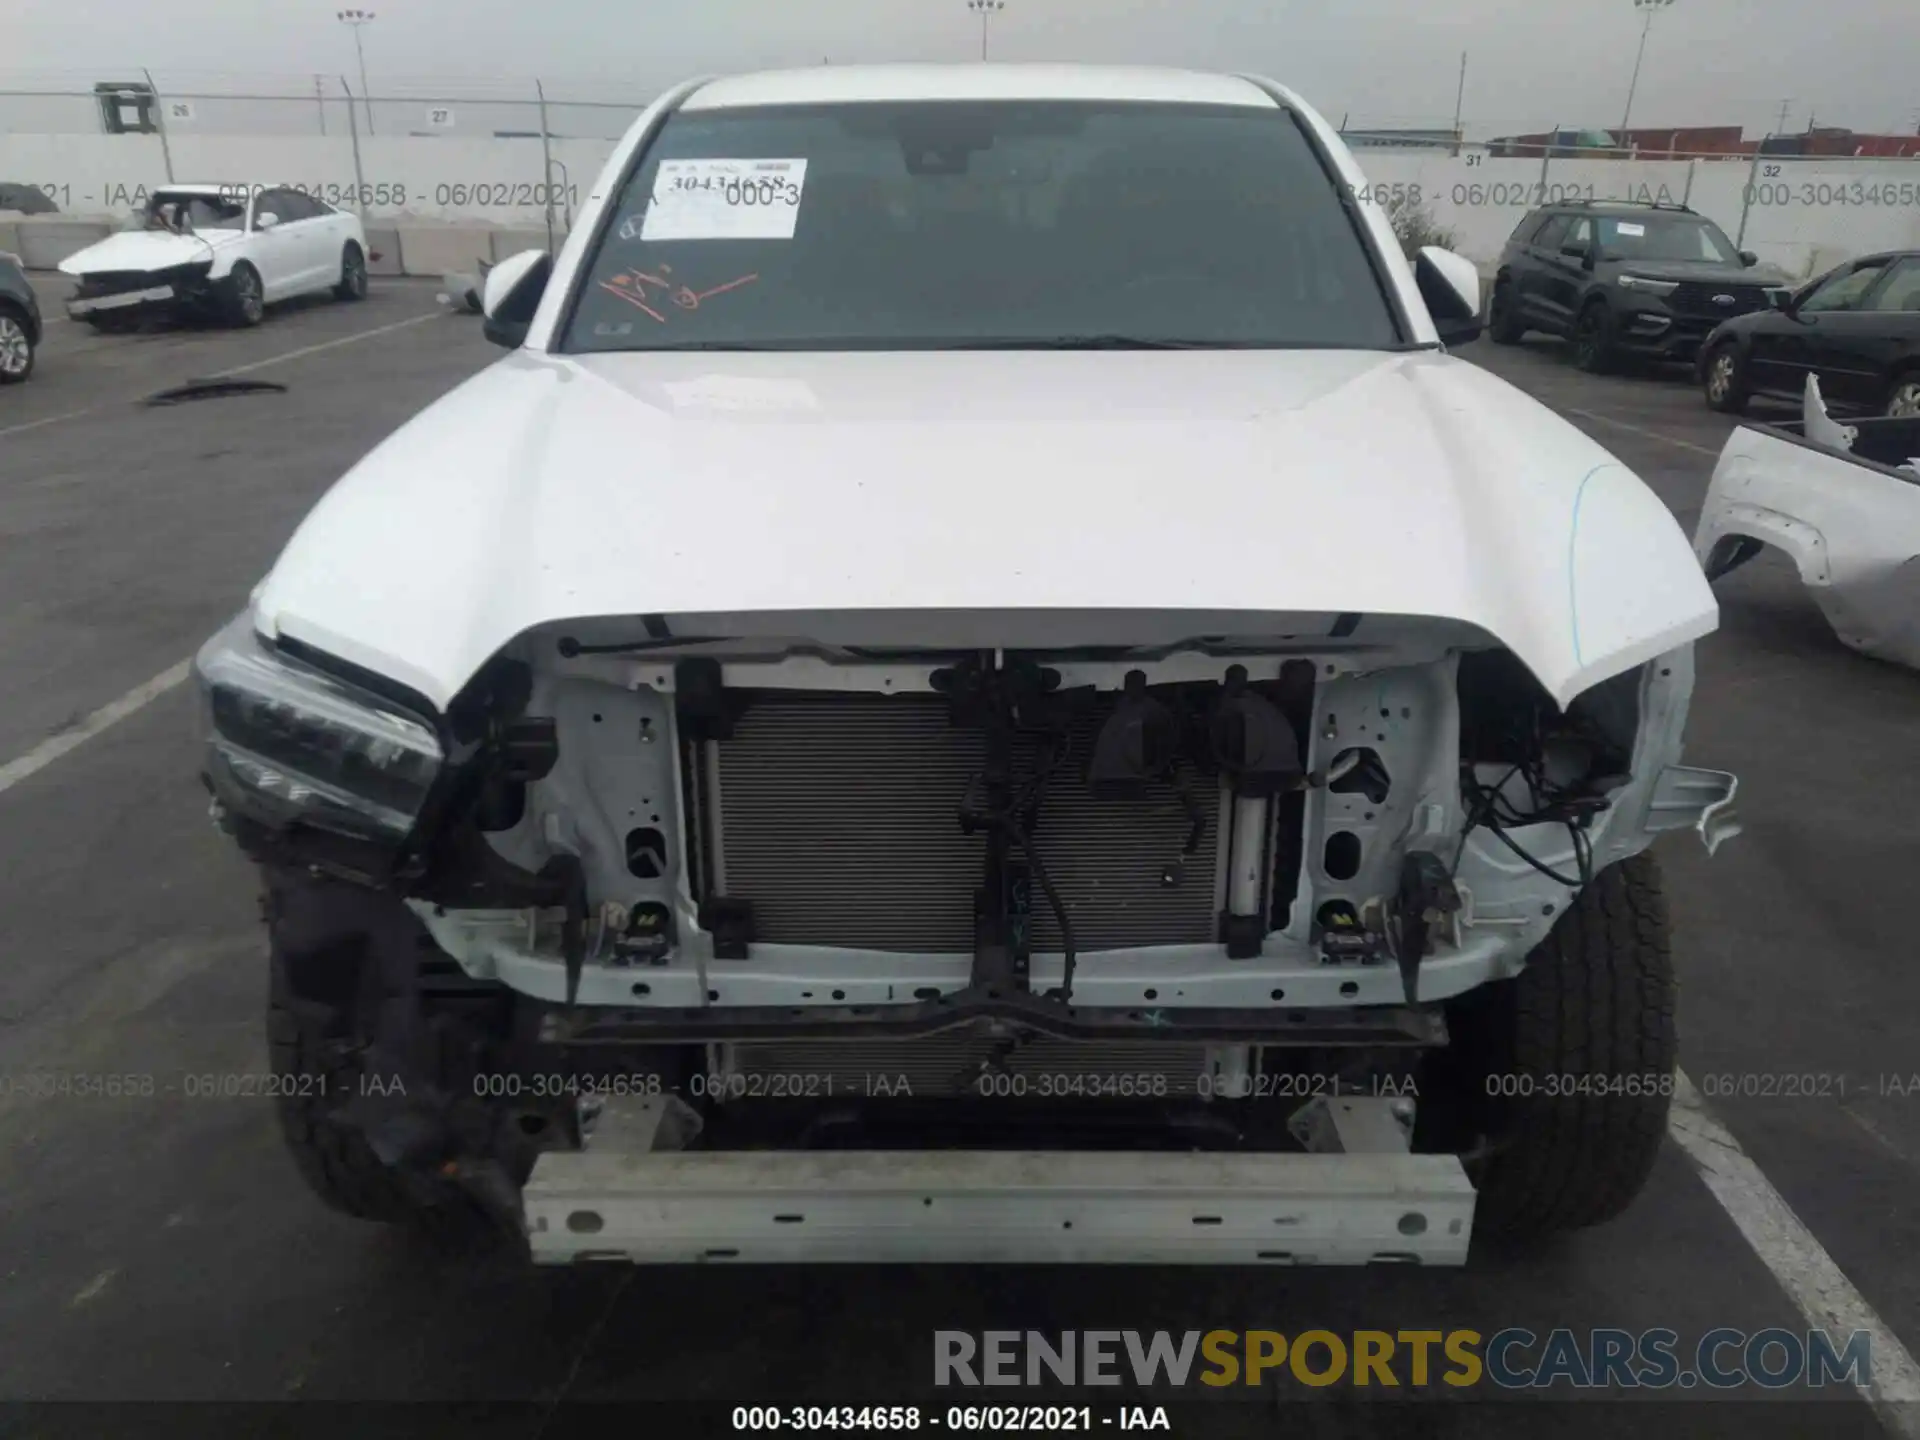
(45,420)
(107,716)
(334,344)
(1637,430)
(1798,1261)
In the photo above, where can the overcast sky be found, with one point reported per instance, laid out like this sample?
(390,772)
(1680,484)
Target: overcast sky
(1386,62)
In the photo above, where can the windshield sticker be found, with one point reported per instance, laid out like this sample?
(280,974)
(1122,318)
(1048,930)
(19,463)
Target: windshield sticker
(1629,227)
(631,286)
(725,200)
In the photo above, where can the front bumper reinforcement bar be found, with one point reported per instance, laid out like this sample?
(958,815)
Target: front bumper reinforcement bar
(620,1200)
(1388,1027)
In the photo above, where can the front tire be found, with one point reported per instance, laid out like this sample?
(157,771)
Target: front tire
(309,1064)
(1725,385)
(16,348)
(1903,400)
(1593,341)
(246,303)
(1503,323)
(353,274)
(1584,1039)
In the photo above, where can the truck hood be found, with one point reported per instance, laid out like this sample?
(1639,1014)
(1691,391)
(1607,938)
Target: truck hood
(145,250)
(1219,489)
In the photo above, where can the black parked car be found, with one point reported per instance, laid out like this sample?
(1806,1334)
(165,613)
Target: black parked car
(1622,279)
(19,322)
(1857,327)
(26,199)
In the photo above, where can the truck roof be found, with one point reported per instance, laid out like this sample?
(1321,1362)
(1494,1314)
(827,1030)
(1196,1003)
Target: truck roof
(841,84)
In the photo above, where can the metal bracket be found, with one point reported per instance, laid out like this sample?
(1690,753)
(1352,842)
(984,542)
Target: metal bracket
(637,1124)
(1354,1125)
(1685,796)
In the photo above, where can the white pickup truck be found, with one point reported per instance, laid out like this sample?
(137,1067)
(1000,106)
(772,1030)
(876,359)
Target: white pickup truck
(978,685)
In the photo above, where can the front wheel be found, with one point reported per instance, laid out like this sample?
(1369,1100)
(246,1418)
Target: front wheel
(1726,380)
(1593,349)
(1565,1073)
(1903,401)
(246,300)
(353,274)
(16,349)
(1503,323)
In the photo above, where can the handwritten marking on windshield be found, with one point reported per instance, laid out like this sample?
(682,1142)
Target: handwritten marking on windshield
(631,286)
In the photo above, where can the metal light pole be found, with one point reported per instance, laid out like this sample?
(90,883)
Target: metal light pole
(1648,7)
(359,20)
(1459,96)
(984,9)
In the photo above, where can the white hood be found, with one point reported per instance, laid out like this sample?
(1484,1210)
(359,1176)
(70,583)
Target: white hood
(707,488)
(146,250)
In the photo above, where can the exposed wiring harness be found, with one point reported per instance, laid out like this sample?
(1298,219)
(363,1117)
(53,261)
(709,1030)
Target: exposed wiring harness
(1015,820)
(1493,807)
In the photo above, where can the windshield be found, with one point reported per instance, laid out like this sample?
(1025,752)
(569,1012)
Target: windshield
(184,214)
(1664,237)
(944,225)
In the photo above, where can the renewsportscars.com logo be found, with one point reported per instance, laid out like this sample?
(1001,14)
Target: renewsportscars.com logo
(1511,1359)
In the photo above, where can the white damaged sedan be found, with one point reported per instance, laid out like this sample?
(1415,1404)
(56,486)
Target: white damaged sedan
(218,250)
(979,627)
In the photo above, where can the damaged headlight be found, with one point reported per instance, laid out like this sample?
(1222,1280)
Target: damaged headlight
(287,743)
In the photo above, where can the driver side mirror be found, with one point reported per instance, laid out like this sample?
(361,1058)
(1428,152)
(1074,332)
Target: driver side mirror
(511,296)
(1749,259)
(266,220)
(1450,285)
(1582,253)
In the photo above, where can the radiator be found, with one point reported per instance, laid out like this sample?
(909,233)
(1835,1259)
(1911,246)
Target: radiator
(836,818)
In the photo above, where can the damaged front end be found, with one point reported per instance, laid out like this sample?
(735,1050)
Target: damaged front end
(125,296)
(793,894)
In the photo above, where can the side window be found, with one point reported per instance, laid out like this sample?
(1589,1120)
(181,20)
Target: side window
(1549,235)
(1902,290)
(1580,233)
(298,206)
(284,204)
(1844,292)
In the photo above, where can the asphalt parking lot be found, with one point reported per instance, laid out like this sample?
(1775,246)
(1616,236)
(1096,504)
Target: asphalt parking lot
(162,1248)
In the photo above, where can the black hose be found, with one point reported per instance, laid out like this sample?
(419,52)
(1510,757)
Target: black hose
(1067,947)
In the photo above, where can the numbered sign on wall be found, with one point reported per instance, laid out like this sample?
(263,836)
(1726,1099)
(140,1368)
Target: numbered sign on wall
(179,110)
(440,118)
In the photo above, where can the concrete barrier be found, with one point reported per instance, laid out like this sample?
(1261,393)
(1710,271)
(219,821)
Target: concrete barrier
(436,249)
(9,237)
(46,240)
(512,239)
(383,246)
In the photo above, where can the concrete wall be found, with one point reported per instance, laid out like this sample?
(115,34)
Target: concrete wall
(443,198)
